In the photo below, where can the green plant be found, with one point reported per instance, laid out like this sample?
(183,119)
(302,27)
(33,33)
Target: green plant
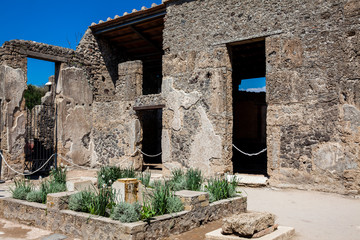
(108,174)
(178,180)
(81,201)
(174,204)
(34,196)
(220,188)
(22,188)
(102,202)
(59,174)
(194,179)
(163,200)
(145,177)
(126,212)
(147,212)
(51,186)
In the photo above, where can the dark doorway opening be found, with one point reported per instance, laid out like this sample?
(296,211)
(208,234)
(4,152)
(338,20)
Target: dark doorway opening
(152,75)
(151,144)
(249,106)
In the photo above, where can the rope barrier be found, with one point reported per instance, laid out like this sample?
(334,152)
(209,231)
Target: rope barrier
(74,164)
(25,174)
(148,155)
(250,154)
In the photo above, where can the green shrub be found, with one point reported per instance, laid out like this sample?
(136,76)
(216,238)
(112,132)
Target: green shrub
(34,196)
(194,179)
(145,177)
(174,204)
(22,188)
(108,174)
(81,201)
(126,212)
(221,189)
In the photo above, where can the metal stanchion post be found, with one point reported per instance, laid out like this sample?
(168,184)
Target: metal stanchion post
(1,181)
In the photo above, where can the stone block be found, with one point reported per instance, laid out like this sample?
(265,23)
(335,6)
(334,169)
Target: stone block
(193,200)
(126,190)
(282,233)
(58,201)
(80,185)
(247,224)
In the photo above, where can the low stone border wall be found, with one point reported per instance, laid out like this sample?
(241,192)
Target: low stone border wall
(87,226)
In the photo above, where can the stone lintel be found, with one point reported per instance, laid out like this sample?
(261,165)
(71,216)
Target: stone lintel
(147,102)
(44,56)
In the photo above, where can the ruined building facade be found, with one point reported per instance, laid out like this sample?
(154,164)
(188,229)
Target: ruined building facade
(165,79)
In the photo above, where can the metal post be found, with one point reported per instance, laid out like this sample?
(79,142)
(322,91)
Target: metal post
(1,181)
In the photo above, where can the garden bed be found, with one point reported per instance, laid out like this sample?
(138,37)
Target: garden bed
(87,226)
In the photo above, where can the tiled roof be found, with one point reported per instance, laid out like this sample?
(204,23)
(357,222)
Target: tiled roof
(133,12)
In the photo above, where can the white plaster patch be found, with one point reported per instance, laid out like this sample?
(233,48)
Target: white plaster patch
(206,145)
(177,99)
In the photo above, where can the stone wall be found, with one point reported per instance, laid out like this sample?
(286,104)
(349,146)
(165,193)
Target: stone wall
(312,88)
(87,226)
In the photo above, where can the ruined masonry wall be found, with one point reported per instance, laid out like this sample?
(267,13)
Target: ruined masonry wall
(313,81)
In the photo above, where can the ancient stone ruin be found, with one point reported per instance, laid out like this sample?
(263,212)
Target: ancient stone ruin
(166,80)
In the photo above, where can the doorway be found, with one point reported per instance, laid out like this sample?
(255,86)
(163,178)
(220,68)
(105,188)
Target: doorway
(249,106)
(151,121)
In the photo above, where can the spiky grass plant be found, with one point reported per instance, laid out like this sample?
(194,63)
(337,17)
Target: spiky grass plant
(220,188)
(109,174)
(22,188)
(194,179)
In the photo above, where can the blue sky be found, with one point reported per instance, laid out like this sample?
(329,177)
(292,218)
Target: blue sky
(253,85)
(61,23)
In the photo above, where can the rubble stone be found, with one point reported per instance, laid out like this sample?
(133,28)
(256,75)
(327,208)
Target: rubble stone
(247,224)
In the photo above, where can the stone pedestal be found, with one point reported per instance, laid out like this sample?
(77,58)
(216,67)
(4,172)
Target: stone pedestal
(126,190)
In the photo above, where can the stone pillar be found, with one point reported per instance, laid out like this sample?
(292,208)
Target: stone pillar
(129,84)
(126,190)
(13,117)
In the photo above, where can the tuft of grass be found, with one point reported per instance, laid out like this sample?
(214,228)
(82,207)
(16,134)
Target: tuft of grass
(194,179)
(103,202)
(126,212)
(109,174)
(58,174)
(191,180)
(163,200)
(22,188)
(81,201)
(220,189)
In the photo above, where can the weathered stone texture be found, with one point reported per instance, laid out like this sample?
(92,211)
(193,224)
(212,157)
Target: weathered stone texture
(312,71)
(74,101)
(196,126)
(13,117)
(247,224)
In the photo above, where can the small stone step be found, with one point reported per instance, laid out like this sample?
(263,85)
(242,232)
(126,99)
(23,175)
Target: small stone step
(282,233)
(250,180)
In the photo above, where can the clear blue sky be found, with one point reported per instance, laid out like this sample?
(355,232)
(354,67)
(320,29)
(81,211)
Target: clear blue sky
(61,23)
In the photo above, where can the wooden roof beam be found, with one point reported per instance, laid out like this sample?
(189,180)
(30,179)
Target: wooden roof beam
(145,38)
